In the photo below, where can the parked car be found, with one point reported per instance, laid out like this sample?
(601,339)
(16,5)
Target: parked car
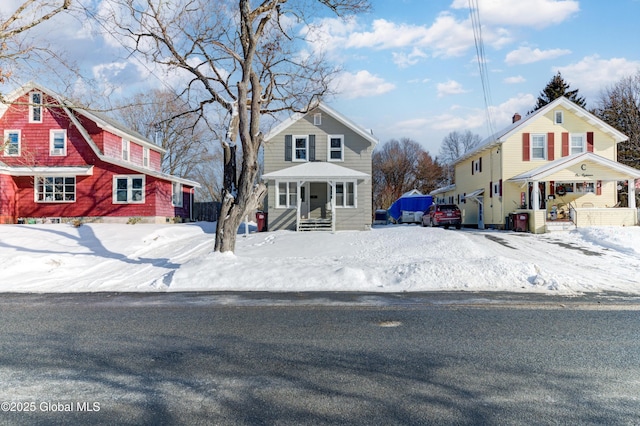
(442,215)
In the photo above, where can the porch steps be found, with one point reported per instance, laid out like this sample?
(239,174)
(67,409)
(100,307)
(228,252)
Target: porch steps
(560,225)
(314,225)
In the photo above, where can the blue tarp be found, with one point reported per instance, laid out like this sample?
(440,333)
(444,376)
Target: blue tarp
(412,202)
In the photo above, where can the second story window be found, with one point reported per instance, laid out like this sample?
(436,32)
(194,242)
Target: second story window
(125,150)
(300,146)
(577,144)
(145,157)
(336,148)
(559,117)
(35,107)
(11,143)
(58,142)
(538,147)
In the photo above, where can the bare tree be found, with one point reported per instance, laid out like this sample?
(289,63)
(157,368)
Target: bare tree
(28,15)
(619,106)
(240,58)
(454,145)
(400,166)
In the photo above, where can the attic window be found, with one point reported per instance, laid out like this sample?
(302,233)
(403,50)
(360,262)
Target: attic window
(558,117)
(317,119)
(35,107)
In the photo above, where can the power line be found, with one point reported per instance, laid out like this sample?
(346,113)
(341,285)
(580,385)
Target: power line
(474,13)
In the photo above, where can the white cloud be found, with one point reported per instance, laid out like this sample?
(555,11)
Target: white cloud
(515,79)
(527,55)
(529,13)
(450,87)
(404,60)
(361,84)
(593,74)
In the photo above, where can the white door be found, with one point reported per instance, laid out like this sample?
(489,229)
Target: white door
(304,200)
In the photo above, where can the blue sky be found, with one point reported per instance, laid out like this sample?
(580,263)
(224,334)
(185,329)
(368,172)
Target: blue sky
(410,66)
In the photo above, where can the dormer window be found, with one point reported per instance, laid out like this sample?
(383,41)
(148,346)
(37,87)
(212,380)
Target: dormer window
(558,117)
(35,107)
(317,119)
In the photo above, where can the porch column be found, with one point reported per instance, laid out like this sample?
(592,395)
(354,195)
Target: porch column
(298,204)
(535,196)
(333,205)
(631,184)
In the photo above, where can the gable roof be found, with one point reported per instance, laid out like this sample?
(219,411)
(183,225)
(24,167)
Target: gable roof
(503,135)
(316,170)
(552,167)
(105,124)
(367,134)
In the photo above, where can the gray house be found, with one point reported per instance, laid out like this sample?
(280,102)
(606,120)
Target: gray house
(318,171)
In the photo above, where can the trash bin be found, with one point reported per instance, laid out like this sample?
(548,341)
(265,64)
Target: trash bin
(521,222)
(261,221)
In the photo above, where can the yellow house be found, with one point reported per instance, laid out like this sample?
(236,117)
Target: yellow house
(553,169)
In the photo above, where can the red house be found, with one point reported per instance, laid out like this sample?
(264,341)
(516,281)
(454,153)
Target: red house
(60,162)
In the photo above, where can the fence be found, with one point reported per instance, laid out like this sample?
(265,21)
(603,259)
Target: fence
(206,212)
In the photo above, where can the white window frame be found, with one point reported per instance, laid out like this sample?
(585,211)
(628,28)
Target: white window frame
(317,119)
(341,202)
(585,188)
(543,138)
(53,151)
(331,150)
(47,187)
(558,117)
(126,150)
(131,192)
(177,194)
(35,107)
(296,149)
(573,149)
(290,194)
(7,134)
(145,157)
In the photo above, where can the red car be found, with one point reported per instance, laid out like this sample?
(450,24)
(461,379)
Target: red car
(442,215)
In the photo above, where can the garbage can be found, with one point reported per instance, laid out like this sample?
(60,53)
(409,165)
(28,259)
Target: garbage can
(521,222)
(261,221)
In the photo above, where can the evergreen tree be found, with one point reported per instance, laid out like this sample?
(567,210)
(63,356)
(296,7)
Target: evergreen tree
(555,88)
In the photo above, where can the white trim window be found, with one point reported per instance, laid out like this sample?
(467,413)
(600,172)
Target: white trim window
(145,157)
(300,148)
(558,117)
(286,195)
(577,143)
(317,119)
(57,142)
(585,187)
(12,145)
(128,189)
(335,148)
(58,189)
(35,107)
(345,195)
(126,150)
(177,195)
(539,146)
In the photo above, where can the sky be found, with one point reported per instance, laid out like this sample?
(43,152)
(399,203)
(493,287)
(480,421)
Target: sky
(410,66)
(51,258)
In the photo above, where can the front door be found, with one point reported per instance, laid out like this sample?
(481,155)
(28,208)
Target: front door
(304,200)
(318,200)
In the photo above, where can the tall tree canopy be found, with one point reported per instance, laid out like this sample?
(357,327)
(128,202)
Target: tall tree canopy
(454,145)
(400,166)
(240,59)
(619,106)
(556,88)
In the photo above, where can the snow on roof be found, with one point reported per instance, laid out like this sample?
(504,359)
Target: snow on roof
(316,170)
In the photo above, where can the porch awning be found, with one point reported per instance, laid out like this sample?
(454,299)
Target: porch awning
(316,170)
(46,171)
(543,172)
(475,194)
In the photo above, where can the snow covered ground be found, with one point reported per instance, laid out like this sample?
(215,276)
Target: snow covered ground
(394,258)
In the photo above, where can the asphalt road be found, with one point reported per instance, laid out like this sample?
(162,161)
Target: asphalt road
(249,359)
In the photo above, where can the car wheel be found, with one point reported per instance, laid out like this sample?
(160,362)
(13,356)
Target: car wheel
(422,223)
(458,226)
(446,227)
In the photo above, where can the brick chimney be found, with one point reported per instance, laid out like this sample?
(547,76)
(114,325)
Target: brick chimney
(516,117)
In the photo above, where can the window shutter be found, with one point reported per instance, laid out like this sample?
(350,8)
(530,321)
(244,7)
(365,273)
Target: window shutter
(473,167)
(480,165)
(565,144)
(312,147)
(599,187)
(589,141)
(552,188)
(288,141)
(501,187)
(525,147)
(550,146)
(491,189)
